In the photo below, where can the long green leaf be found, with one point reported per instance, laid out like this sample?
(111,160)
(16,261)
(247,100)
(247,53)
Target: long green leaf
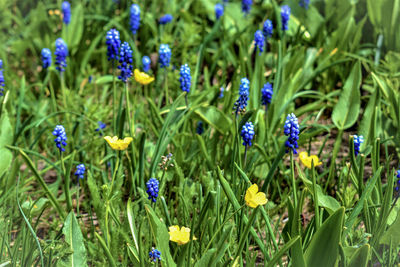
(74,238)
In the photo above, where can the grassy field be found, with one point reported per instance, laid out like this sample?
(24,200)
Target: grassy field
(199,133)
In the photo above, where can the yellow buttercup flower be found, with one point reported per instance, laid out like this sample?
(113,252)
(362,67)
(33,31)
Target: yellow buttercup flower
(179,235)
(118,144)
(142,77)
(306,160)
(254,198)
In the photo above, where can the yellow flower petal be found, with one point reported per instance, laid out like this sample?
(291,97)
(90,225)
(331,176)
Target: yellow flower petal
(118,144)
(179,235)
(307,160)
(253,198)
(142,77)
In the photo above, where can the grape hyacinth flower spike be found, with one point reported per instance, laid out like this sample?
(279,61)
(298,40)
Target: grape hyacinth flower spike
(241,103)
(61,137)
(268,29)
(247,134)
(152,189)
(164,55)
(304,3)
(167,18)
(266,94)
(146,61)
(46,58)
(2,81)
(285,16)
(397,188)
(125,60)
(291,129)
(66,11)
(80,171)
(155,255)
(246,6)
(358,140)
(135,18)
(199,128)
(259,40)
(61,54)
(219,10)
(113,43)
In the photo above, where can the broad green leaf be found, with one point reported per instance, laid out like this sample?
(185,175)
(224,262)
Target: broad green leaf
(206,258)
(323,249)
(392,235)
(346,110)
(161,236)
(360,257)
(74,238)
(6,138)
(215,117)
(282,251)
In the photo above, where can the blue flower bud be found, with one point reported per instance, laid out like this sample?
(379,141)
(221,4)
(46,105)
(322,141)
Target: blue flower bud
(152,189)
(358,140)
(266,94)
(113,44)
(164,55)
(291,129)
(268,28)
(285,16)
(241,103)
(61,137)
(185,79)
(61,54)
(167,18)
(219,10)
(80,171)
(66,11)
(46,58)
(135,18)
(146,61)
(155,255)
(246,6)
(259,40)
(247,133)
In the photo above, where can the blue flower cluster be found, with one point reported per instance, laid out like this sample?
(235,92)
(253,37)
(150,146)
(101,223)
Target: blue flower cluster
(259,40)
(268,29)
(125,60)
(358,140)
(152,189)
(285,16)
(80,171)
(199,128)
(221,92)
(246,6)
(164,55)
(247,133)
(102,126)
(61,137)
(397,188)
(167,18)
(266,94)
(155,255)
(185,79)
(46,58)
(304,3)
(61,54)
(241,103)
(291,129)
(2,81)
(135,18)
(113,44)
(219,10)
(146,61)
(66,11)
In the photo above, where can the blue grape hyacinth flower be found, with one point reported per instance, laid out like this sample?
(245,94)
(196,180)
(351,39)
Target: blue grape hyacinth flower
(61,54)
(241,103)
(113,43)
(185,79)
(246,6)
(46,58)
(247,133)
(200,128)
(164,55)
(152,189)
(358,140)
(167,18)
(285,16)
(266,94)
(259,40)
(219,10)
(291,129)
(155,255)
(2,81)
(80,171)
(125,60)
(61,137)
(66,11)
(135,18)
(397,188)
(146,62)
(268,29)
(102,126)
(304,3)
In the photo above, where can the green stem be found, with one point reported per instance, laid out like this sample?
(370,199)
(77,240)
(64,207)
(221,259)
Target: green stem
(293,178)
(128,107)
(316,205)
(336,148)
(114,100)
(109,194)
(66,184)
